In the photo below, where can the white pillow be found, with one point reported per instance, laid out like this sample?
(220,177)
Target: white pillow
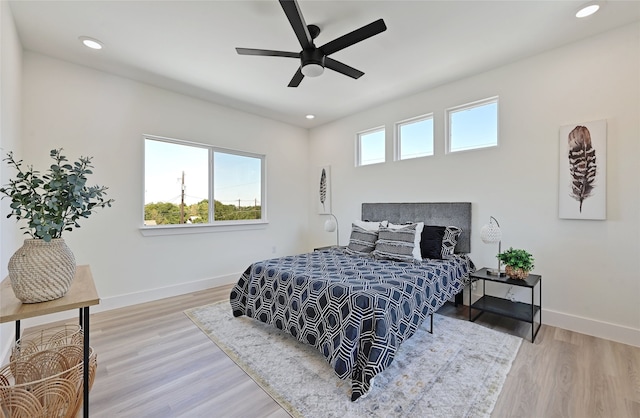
(417,254)
(370,226)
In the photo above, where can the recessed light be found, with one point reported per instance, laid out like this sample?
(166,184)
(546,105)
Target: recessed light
(90,42)
(310,116)
(587,10)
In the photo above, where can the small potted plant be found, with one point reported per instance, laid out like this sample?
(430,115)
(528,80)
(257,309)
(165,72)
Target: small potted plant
(50,203)
(518,263)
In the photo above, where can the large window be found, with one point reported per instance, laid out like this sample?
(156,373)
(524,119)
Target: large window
(414,137)
(473,126)
(370,147)
(181,178)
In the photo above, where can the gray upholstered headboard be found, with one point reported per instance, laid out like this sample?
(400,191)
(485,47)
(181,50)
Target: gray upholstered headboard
(439,214)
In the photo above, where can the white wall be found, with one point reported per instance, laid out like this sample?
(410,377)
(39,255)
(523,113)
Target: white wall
(92,113)
(591,282)
(10,106)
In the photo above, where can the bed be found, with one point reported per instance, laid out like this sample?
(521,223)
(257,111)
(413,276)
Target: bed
(357,308)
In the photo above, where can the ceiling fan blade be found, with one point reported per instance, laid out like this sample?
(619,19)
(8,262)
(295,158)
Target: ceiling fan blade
(267,53)
(342,68)
(292,10)
(354,37)
(297,78)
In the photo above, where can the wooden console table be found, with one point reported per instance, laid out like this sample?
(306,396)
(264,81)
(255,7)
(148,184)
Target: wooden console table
(81,295)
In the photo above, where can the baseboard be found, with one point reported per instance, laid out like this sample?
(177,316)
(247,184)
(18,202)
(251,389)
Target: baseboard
(601,329)
(120,301)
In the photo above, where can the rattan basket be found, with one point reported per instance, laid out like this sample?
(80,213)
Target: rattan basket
(32,342)
(46,383)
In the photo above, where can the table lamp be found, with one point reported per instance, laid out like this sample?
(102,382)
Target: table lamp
(331,225)
(490,234)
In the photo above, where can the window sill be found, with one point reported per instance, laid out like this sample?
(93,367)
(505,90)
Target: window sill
(223,226)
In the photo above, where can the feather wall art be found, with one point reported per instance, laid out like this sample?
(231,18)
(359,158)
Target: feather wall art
(582,164)
(323,188)
(582,191)
(324,203)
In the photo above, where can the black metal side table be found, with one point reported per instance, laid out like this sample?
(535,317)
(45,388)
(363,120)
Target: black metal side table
(526,312)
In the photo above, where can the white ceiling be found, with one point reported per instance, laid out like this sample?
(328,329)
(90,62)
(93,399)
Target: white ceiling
(189,46)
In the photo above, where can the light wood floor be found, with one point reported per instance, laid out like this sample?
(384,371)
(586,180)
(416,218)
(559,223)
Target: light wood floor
(153,362)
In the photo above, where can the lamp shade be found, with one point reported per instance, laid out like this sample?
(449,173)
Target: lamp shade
(491,232)
(330,225)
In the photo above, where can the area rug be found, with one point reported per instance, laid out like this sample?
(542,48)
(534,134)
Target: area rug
(458,371)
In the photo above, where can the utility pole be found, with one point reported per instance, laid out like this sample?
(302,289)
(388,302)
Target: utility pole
(182,200)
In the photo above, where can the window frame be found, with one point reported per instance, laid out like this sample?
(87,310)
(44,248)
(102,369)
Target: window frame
(359,136)
(467,106)
(398,137)
(212,225)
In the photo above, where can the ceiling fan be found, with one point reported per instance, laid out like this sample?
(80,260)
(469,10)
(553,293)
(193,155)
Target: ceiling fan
(313,60)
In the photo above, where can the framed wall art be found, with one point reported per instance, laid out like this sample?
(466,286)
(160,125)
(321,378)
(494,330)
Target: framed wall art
(324,190)
(582,191)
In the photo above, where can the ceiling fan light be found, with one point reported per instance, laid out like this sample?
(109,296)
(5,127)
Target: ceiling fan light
(312,70)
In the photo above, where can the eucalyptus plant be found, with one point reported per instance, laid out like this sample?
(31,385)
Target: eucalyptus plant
(54,201)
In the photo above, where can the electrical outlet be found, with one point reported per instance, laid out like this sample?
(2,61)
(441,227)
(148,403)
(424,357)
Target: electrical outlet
(273,249)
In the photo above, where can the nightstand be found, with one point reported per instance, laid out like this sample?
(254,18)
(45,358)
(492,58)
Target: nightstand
(521,311)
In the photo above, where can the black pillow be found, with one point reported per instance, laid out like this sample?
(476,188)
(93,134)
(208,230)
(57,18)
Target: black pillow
(431,241)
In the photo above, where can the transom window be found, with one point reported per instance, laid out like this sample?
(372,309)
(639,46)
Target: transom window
(414,137)
(370,147)
(181,178)
(473,125)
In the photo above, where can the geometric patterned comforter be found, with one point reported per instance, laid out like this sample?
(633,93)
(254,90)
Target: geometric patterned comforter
(355,310)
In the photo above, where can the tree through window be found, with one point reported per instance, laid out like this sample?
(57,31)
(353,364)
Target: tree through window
(181,178)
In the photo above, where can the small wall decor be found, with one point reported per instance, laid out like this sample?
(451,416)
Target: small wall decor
(324,190)
(582,192)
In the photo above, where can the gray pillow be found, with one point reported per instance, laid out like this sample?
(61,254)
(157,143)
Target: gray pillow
(396,244)
(361,241)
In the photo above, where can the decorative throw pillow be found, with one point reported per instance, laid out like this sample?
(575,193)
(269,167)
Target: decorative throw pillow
(449,240)
(417,253)
(438,242)
(396,243)
(361,241)
(431,241)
